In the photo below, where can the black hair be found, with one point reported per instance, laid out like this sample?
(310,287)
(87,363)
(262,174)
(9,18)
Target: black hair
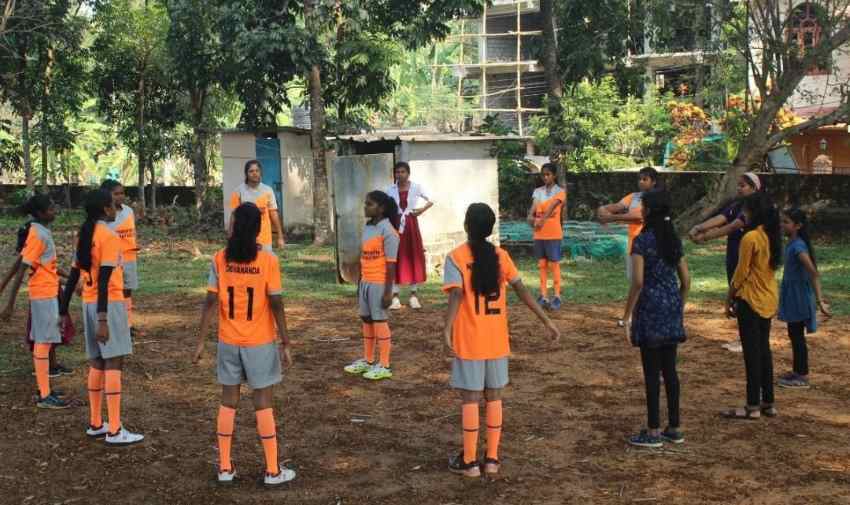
(659,221)
(551,168)
(799,217)
(649,172)
(96,201)
(479,221)
(736,199)
(401,164)
(242,243)
(764,213)
(110,185)
(35,205)
(387,203)
(248,165)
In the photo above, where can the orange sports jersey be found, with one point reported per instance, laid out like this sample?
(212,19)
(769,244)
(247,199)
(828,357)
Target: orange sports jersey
(263,197)
(105,252)
(245,316)
(379,247)
(480,330)
(125,226)
(543,198)
(633,202)
(39,253)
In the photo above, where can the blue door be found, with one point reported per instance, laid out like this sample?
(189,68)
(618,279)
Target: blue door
(268,152)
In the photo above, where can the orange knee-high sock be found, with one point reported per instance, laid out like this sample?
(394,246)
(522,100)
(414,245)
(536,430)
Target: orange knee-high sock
(268,435)
(95,387)
(41,363)
(469,420)
(113,399)
(384,337)
(494,428)
(555,267)
(369,342)
(226,420)
(542,266)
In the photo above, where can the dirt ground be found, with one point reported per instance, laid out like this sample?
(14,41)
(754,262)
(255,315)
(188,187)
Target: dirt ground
(567,412)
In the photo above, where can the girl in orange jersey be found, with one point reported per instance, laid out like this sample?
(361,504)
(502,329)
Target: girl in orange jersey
(476,330)
(105,321)
(545,216)
(125,226)
(245,283)
(38,256)
(379,250)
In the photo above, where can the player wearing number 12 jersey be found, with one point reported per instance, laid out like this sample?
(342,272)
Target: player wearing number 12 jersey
(476,330)
(245,283)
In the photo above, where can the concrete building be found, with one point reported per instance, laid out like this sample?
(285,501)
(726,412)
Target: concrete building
(455,170)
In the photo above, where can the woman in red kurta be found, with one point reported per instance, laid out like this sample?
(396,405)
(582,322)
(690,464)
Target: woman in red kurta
(411,252)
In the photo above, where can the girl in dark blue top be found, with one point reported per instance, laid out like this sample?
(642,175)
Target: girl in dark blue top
(654,313)
(800,295)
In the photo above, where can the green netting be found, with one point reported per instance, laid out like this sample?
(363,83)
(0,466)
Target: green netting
(586,240)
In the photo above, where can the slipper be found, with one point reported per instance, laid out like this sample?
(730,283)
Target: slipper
(769,411)
(747,414)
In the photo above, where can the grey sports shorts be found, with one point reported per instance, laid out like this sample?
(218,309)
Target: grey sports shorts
(479,374)
(45,321)
(369,297)
(131,275)
(258,365)
(119,343)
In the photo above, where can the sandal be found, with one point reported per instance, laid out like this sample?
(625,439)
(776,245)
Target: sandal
(746,413)
(769,410)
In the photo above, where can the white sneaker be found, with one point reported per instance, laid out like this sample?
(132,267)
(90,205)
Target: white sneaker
(285,475)
(227,477)
(733,347)
(396,304)
(124,437)
(98,432)
(414,302)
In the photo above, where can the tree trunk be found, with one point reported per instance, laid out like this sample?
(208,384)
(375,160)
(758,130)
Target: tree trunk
(152,168)
(45,165)
(25,141)
(200,168)
(140,131)
(750,158)
(66,171)
(322,234)
(554,86)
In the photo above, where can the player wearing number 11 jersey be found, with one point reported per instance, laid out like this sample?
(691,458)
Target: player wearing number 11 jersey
(245,283)
(476,330)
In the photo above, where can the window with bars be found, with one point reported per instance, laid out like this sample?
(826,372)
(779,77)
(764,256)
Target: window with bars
(806,31)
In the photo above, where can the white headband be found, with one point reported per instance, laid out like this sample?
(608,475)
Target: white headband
(754,179)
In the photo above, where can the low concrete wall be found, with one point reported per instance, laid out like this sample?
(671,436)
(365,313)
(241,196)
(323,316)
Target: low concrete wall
(184,196)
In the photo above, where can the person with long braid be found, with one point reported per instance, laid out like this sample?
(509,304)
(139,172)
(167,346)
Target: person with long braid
(105,321)
(548,206)
(244,281)
(475,277)
(800,295)
(38,255)
(654,313)
(125,226)
(378,255)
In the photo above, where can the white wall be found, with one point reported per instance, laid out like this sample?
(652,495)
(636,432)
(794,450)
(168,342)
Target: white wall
(456,174)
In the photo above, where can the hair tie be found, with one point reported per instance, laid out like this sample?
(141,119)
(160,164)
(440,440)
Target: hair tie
(754,179)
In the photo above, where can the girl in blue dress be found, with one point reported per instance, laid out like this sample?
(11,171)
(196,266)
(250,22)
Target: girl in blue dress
(800,295)
(654,313)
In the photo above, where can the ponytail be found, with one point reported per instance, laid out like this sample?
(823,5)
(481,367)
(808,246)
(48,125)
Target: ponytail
(480,220)
(387,203)
(96,201)
(659,221)
(242,243)
(799,217)
(34,206)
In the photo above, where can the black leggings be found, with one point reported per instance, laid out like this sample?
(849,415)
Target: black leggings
(797,334)
(657,361)
(758,360)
